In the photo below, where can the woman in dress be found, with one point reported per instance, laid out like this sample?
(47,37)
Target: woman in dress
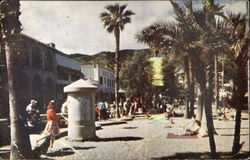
(52,126)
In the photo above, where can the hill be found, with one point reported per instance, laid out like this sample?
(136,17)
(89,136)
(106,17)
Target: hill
(104,58)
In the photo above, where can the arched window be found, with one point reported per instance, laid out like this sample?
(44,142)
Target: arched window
(48,61)
(36,58)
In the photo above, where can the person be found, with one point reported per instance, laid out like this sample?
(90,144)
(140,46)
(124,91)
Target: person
(31,107)
(52,126)
(97,112)
(169,114)
(112,110)
(64,108)
(102,109)
(193,127)
(32,113)
(127,105)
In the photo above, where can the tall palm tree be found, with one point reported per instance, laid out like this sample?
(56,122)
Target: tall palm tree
(205,43)
(114,21)
(195,35)
(237,41)
(11,27)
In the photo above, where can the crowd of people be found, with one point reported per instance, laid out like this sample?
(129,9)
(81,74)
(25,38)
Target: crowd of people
(127,107)
(105,110)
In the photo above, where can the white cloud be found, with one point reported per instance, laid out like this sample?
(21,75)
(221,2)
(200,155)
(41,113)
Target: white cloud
(75,27)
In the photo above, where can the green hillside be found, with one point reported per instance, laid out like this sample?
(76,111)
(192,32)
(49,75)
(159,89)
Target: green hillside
(104,58)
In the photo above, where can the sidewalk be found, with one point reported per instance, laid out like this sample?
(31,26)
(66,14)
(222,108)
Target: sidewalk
(98,124)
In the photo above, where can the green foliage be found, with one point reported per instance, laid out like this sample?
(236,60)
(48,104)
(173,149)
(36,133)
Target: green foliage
(136,76)
(9,17)
(171,86)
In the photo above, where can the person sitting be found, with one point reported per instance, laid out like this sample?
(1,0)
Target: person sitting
(169,114)
(193,127)
(31,107)
(32,112)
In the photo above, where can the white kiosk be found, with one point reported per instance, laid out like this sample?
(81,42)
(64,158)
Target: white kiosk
(81,110)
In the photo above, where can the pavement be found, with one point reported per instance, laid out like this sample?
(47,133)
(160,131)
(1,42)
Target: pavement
(142,138)
(64,131)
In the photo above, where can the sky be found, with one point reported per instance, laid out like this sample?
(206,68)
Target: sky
(75,26)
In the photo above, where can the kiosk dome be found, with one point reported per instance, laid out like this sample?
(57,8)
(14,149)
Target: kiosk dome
(78,86)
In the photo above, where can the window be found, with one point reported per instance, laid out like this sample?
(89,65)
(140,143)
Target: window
(62,75)
(74,77)
(105,81)
(48,60)
(36,58)
(101,80)
(109,82)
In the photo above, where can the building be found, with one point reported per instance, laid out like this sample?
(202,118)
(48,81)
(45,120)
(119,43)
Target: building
(44,71)
(105,78)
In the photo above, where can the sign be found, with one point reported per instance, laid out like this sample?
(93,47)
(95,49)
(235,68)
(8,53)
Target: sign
(157,71)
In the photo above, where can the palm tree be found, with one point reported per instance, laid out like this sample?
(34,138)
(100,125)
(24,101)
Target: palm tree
(114,21)
(205,42)
(237,41)
(195,35)
(11,27)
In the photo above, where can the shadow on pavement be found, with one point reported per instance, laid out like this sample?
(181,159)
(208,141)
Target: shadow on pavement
(233,128)
(77,148)
(205,155)
(233,134)
(118,139)
(60,153)
(129,127)
(63,152)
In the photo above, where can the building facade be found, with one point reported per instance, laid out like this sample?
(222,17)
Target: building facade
(105,78)
(44,71)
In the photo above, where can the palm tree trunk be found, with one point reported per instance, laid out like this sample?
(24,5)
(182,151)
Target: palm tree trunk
(20,142)
(200,106)
(209,120)
(205,80)
(2,75)
(191,90)
(208,107)
(216,80)
(187,84)
(117,69)
(238,102)
(236,142)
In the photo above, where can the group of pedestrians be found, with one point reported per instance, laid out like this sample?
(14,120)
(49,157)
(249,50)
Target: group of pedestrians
(105,110)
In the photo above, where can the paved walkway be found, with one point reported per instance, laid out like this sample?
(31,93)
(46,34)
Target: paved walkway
(142,138)
(147,139)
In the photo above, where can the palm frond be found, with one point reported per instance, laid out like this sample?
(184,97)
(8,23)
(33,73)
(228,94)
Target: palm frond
(121,9)
(110,28)
(128,13)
